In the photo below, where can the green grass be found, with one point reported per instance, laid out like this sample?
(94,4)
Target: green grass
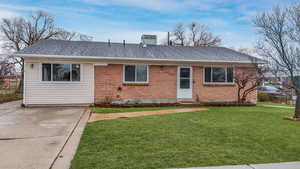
(131,109)
(13,89)
(219,136)
(10,97)
(274,104)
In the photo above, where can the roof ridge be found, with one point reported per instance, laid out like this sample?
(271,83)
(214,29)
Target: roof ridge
(131,43)
(54,47)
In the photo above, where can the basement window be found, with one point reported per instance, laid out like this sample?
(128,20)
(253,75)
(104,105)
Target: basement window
(218,75)
(60,72)
(135,73)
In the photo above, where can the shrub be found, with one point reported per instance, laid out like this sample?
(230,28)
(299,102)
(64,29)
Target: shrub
(263,96)
(9,97)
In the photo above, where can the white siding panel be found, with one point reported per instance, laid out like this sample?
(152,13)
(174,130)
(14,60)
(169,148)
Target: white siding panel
(39,92)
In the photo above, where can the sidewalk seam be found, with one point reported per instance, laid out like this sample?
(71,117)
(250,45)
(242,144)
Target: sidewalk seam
(249,165)
(68,138)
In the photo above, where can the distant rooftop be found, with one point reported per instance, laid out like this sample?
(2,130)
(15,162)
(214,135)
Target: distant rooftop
(94,49)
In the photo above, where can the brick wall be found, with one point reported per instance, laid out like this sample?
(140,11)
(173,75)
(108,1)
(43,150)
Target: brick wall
(216,92)
(162,85)
(109,84)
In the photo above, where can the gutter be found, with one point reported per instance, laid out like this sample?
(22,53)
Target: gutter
(128,59)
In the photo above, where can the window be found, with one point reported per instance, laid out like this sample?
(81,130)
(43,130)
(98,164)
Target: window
(75,72)
(218,75)
(185,78)
(46,69)
(60,72)
(136,73)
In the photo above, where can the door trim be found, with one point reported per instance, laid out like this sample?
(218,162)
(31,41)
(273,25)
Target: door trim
(178,81)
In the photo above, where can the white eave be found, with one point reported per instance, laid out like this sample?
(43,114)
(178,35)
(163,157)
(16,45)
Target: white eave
(127,59)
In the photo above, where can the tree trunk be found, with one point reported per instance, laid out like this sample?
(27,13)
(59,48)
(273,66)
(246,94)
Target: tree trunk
(239,95)
(297,109)
(21,84)
(243,100)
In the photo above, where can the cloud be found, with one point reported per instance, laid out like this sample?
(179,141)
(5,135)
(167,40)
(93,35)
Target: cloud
(238,39)
(7,14)
(129,19)
(15,8)
(157,5)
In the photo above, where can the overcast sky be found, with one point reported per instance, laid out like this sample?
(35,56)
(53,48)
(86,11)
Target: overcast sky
(128,19)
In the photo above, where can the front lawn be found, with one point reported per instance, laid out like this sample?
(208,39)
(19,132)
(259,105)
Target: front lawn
(10,97)
(219,136)
(102,110)
(274,104)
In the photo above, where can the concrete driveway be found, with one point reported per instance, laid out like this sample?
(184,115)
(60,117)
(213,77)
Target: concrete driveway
(31,138)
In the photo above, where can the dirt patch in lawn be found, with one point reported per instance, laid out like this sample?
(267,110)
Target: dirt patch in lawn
(109,116)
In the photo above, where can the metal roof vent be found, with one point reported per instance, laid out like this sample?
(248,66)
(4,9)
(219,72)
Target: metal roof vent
(149,40)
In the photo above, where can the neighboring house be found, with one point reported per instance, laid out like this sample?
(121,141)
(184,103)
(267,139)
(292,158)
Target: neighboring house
(281,79)
(82,72)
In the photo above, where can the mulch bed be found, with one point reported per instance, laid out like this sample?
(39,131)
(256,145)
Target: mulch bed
(196,104)
(107,105)
(291,118)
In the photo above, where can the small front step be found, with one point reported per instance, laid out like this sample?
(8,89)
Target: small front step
(189,103)
(182,101)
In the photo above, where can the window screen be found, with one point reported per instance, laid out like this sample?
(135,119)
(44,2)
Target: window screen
(46,72)
(75,72)
(218,75)
(60,72)
(141,73)
(136,73)
(185,78)
(207,74)
(129,73)
(230,74)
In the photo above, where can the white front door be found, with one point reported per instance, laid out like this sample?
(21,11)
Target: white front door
(184,82)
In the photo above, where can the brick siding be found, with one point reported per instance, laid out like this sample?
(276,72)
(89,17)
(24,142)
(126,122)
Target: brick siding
(162,85)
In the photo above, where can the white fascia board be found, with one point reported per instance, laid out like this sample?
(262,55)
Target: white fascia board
(101,64)
(126,58)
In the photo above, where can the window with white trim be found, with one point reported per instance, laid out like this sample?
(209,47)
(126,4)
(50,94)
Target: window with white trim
(218,75)
(135,73)
(60,72)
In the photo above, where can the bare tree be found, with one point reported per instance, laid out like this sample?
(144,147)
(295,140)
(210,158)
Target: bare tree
(66,35)
(247,81)
(6,69)
(279,30)
(20,32)
(274,69)
(246,51)
(294,18)
(200,35)
(194,28)
(179,33)
(197,35)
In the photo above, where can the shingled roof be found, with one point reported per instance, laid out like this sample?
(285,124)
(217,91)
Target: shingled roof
(91,49)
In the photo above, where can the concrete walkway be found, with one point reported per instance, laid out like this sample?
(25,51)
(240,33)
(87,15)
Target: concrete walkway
(274,106)
(64,158)
(286,165)
(109,116)
(31,138)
